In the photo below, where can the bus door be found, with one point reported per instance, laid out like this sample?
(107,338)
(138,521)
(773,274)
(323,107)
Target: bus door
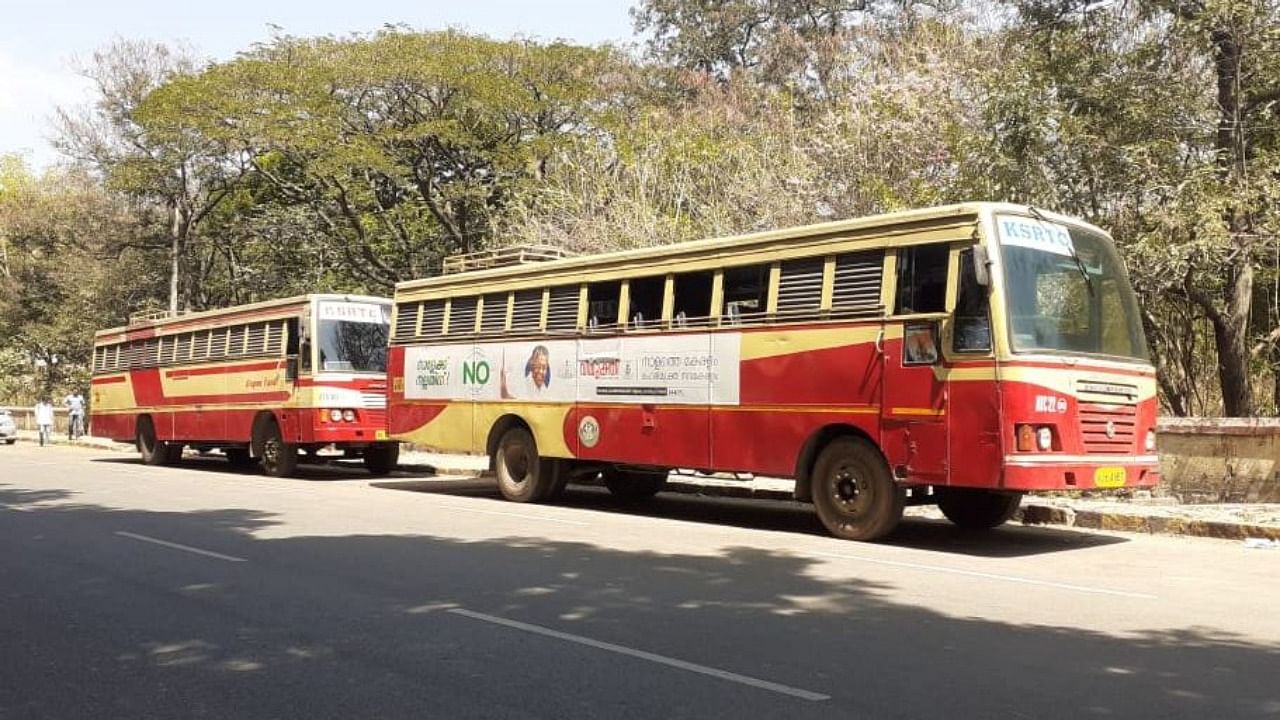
(913,407)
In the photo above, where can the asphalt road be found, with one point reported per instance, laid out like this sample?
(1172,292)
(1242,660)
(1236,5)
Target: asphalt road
(129,591)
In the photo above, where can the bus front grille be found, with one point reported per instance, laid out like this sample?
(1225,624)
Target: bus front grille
(1108,429)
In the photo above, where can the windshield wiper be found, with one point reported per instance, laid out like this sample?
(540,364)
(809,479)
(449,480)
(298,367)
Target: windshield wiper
(1071,249)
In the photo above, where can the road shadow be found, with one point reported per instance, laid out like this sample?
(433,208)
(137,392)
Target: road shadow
(331,470)
(369,625)
(1012,540)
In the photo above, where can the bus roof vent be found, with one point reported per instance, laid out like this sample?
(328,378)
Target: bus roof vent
(502,257)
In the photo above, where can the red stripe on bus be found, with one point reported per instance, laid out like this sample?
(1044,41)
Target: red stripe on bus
(108,380)
(224,369)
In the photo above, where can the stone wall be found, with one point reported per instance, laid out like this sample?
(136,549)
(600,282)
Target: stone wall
(25,418)
(1220,460)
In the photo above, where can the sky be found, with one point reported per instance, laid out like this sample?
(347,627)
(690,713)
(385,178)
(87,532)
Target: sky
(42,41)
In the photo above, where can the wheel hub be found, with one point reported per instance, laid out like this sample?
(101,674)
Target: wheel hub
(848,491)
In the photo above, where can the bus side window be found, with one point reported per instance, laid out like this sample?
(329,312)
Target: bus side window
(602,304)
(645,309)
(562,308)
(692,304)
(973,321)
(746,293)
(922,279)
(462,316)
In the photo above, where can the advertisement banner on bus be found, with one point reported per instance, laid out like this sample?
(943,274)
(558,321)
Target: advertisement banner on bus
(697,369)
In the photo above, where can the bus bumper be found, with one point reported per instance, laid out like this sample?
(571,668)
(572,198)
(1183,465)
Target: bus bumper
(1047,472)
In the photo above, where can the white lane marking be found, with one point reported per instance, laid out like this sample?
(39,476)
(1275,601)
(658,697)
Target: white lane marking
(176,546)
(651,657)
(515,515)
(991,576)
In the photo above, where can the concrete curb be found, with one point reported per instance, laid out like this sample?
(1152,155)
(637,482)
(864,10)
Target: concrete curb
(1133,522)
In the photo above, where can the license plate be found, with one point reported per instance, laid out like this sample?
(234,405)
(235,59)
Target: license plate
(382,435)
(1109,477)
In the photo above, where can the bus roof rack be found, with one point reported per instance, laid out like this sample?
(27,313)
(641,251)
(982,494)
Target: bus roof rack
(502,257)
(143,317)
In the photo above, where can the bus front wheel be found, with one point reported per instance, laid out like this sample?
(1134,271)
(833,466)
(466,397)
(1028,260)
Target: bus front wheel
(975,509)
(522,475)
(279,458)
(853,492)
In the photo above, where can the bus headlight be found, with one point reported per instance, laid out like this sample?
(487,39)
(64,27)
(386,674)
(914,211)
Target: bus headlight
(1044,438)
(335,415)
(349,415)
(1151,441)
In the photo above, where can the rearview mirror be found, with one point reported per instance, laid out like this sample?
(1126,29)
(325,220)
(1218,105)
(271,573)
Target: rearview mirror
(981,266)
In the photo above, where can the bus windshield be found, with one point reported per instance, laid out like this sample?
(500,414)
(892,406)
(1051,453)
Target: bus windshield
(1067,291)
(352,337)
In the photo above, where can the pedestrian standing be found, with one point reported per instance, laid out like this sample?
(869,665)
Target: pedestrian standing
(44,421)
(74,402)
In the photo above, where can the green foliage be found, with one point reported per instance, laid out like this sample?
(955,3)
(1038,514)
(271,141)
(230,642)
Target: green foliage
(350,163)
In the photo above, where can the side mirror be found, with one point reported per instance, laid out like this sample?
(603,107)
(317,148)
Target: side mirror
(291,368)
(981,266)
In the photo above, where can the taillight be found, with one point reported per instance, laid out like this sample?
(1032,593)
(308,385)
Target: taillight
(336,415)
(348,415)
(1026,438)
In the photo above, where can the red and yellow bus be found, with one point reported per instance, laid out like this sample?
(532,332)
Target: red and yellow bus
(958,356)
(259,382)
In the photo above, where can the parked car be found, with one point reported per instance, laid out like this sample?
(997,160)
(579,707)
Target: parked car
(8,429)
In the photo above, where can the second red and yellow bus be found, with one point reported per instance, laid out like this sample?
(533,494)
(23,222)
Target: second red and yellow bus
(264,383)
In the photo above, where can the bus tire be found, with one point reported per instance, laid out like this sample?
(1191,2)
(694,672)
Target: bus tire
(239,457)
(854,493)
(561,470)
(152,450)
(630,486)
(381,458)
(279,458)
(977,509)
(522,475)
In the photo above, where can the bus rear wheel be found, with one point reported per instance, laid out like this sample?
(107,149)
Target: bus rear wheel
(853,492)
(976,509)
(630,486)
(382,458)
(153,450)
(522,475)
(279,458)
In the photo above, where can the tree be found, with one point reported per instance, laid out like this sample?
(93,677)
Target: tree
(148,156)
(68,273)
(402,145)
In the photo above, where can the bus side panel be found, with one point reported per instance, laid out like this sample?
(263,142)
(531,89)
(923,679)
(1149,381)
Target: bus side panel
(794,383)
(110,403)
(662,435)
(830,368)
(769,442)
(974,417)
(239,425)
